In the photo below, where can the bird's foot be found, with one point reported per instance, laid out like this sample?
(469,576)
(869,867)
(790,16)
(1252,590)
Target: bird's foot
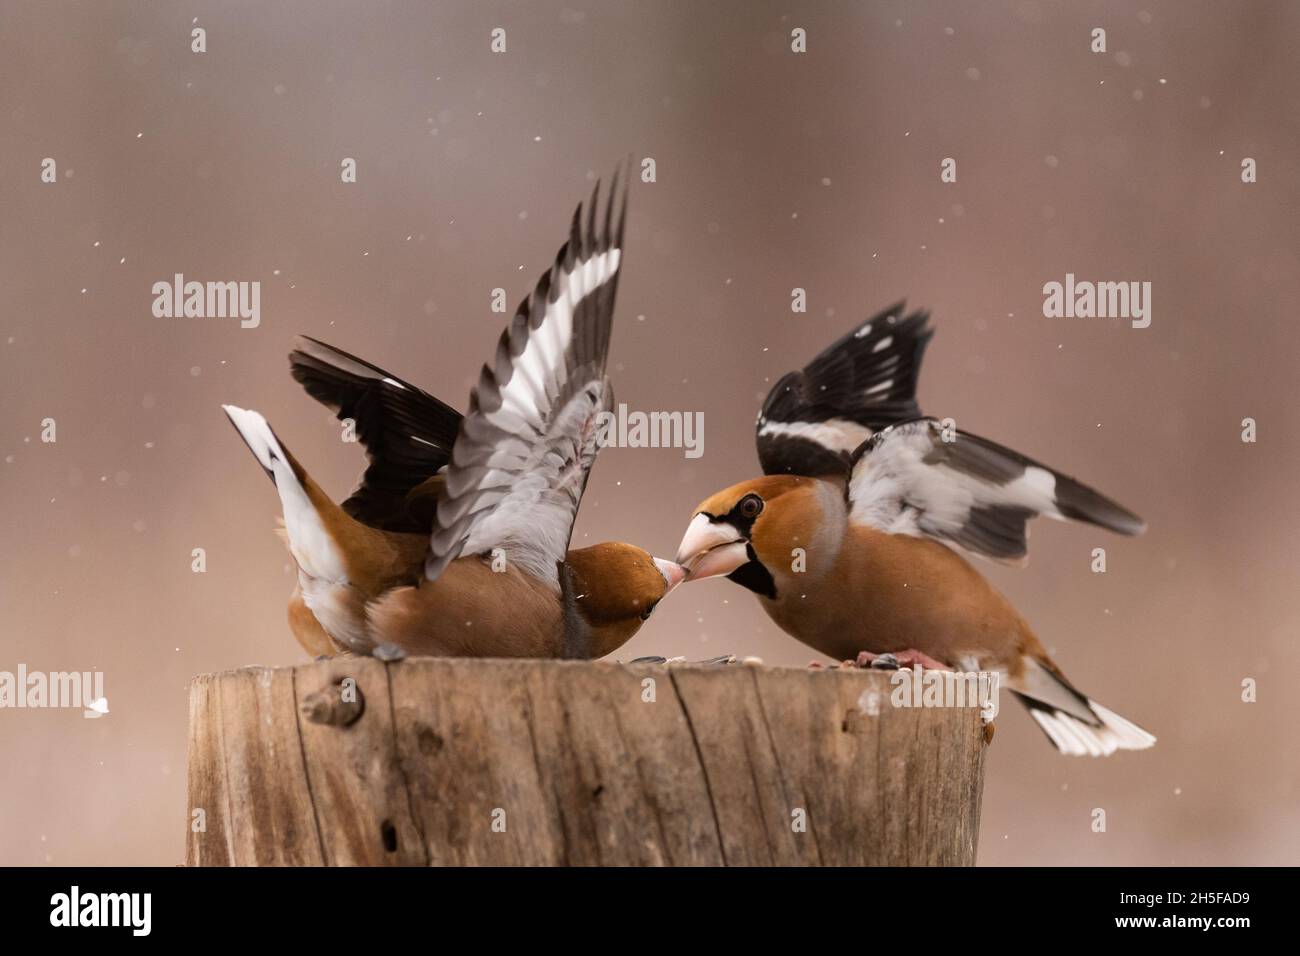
(897,659)
(388,652)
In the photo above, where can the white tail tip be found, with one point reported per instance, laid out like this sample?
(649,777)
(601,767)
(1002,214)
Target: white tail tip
(1072,736)
(257,434)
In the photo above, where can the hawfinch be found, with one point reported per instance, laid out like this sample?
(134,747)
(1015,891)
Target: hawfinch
(456,540)
(848,539)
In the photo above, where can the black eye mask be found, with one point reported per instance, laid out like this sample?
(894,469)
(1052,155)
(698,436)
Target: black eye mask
(736,518)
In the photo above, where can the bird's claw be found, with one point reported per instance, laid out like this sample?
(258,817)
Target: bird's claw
(388,652)
(878,662)
(892,661)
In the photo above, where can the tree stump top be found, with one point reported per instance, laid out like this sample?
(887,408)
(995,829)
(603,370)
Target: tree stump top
(470,761)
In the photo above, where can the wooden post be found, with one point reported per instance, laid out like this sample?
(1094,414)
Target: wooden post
(459,761)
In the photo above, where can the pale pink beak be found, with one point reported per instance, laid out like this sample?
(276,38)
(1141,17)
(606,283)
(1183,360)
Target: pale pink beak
(673,572)
(710,549)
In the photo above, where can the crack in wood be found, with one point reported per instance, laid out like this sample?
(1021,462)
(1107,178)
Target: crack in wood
(306,776)
(699,756)
(665,847)
(554,813)
(400,761)
(590,772)
(776,760)
(225,779)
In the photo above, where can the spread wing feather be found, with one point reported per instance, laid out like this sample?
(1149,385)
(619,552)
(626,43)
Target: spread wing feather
(528,441)
(813,419)
(915,478)
(407,433)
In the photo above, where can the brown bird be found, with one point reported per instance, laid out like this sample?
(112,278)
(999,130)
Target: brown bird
(852,552)
(456,540)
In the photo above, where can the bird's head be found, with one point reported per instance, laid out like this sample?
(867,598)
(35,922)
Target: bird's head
(745,531)
(617,587)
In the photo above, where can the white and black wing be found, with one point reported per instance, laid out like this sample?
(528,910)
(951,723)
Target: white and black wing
(407,433)
(907,479)
(520,463)
(813,419)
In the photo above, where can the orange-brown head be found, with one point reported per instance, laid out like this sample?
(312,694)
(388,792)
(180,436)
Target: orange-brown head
(616,588)
(747,531)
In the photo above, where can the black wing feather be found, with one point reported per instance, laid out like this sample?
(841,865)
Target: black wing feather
(407,433)
(814,418)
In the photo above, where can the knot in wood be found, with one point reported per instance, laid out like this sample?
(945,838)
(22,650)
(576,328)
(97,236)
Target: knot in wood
(337,705)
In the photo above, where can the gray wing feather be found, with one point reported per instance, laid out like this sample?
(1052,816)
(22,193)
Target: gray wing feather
(526,446)
(915,478)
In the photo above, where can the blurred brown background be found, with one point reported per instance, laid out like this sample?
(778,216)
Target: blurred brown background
(775,170)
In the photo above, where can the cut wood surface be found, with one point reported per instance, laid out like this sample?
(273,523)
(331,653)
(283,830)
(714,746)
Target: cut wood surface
(438,761)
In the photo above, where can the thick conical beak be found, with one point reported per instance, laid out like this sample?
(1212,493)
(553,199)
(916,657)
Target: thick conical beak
(710,548)
(673,572)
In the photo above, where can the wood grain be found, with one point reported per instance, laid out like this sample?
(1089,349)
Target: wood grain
(454,761)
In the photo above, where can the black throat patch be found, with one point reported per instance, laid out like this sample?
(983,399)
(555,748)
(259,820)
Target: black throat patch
(754,576)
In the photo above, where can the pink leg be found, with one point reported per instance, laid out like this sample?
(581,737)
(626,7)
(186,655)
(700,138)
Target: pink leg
(904,659)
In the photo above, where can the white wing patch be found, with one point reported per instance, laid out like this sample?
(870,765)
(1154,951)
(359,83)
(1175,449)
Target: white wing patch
(970,491)
(814,418)
(837,434)
(521,460)
(540,367)
(538,489)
